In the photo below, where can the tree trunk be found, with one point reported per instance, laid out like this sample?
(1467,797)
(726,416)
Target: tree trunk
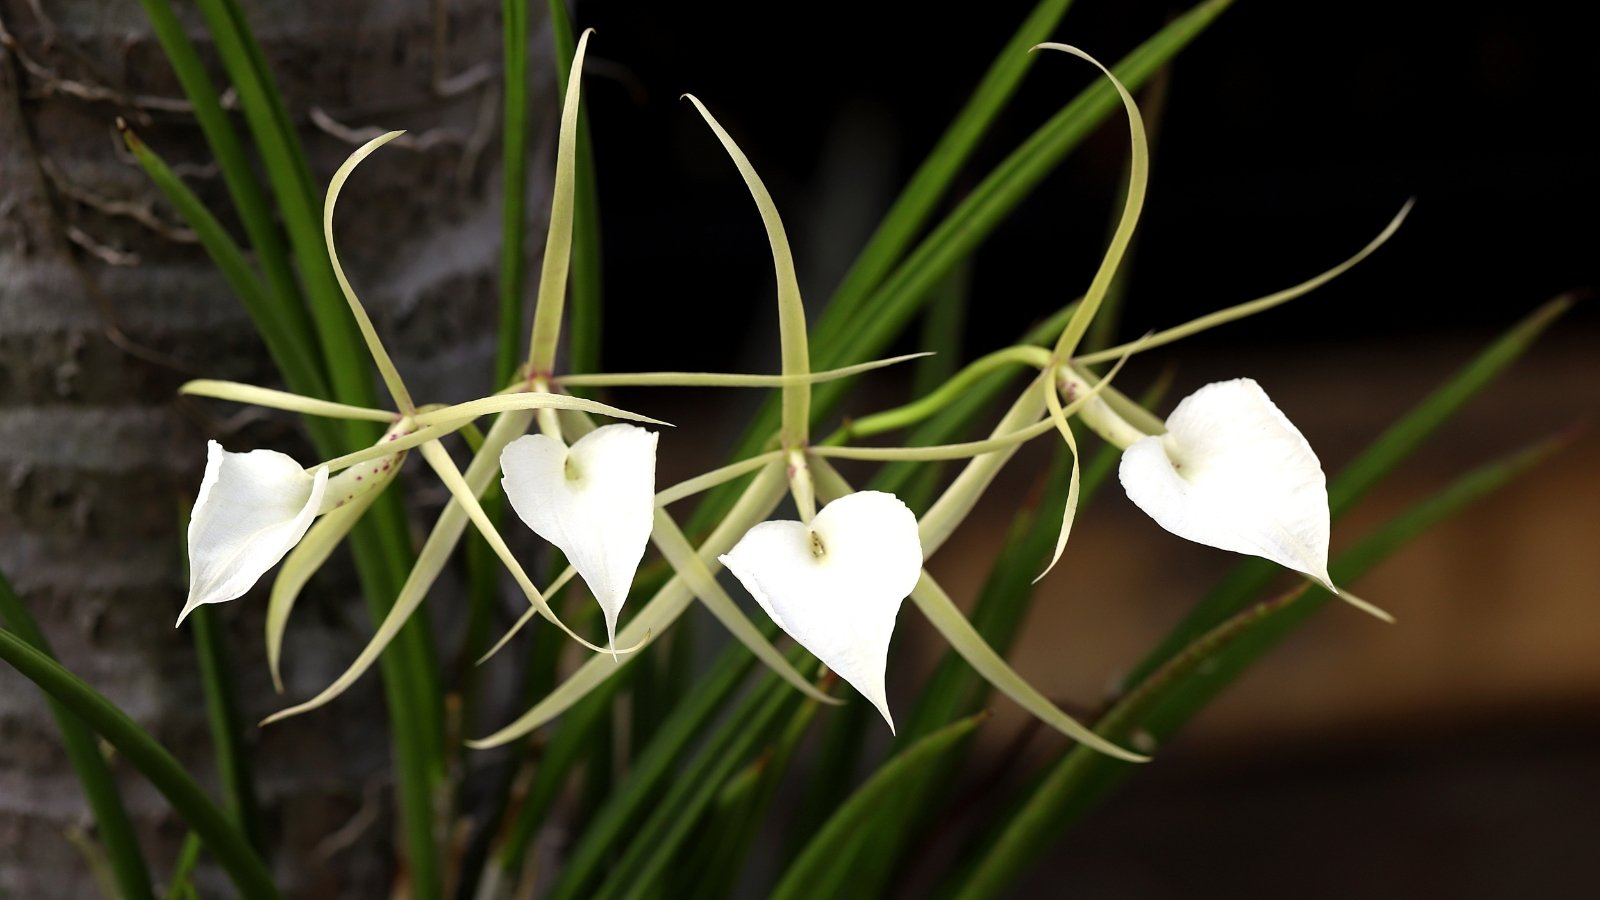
(104,312)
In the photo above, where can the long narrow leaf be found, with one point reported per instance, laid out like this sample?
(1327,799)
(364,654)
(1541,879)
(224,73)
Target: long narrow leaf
(112,825)
(513,186)
(227,734)
(224,841)
(841,832)
(292,349)
(237,173)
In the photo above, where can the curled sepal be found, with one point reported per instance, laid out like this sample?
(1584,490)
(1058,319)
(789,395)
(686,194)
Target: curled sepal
(791,309)
(1233,472)
(252,508)
(594,500)
(836,585)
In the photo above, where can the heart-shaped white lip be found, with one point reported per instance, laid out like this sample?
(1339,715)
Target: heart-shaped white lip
(252,509)
(595,501)
(836,586)
(1233,472)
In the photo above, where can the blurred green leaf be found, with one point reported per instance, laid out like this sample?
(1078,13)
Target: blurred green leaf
(286,343)
(224,841)
(180,884)
(115,830)
(651,849)
(227,735)
(287,309)
(616,822)
(867,808)
(514,184)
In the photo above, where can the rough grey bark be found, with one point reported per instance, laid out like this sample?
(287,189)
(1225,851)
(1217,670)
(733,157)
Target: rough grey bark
(103,315)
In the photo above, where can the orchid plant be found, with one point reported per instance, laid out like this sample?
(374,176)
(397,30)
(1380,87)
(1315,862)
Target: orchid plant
(1227,469)
(824,563)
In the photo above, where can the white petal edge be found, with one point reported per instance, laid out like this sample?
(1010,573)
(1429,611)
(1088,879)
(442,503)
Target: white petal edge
(251,510)
(836,586)
(595,501)
(1233,472)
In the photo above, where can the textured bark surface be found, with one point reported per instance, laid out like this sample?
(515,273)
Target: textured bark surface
(102,317)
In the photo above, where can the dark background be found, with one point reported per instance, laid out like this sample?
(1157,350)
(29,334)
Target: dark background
(1290,135)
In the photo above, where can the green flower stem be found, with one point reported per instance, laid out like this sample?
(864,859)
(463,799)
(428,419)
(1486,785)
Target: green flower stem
(224,841)
(949,392)
(112,824)
(1096,412)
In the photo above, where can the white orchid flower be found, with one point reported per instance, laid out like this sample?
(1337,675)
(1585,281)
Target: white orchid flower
(836,585)
(251,510)
(594,500)
(1233,472)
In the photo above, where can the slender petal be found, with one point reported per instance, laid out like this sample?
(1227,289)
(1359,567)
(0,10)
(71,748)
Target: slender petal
(252,509)
(594,500)
(1233,472)
(836,585)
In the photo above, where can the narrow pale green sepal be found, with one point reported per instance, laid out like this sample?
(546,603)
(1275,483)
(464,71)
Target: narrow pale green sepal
(552,300)
(499,403)
(791,309)
(259,396)
(718,379)
(1138,182)
(1252,307)
(380,356)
